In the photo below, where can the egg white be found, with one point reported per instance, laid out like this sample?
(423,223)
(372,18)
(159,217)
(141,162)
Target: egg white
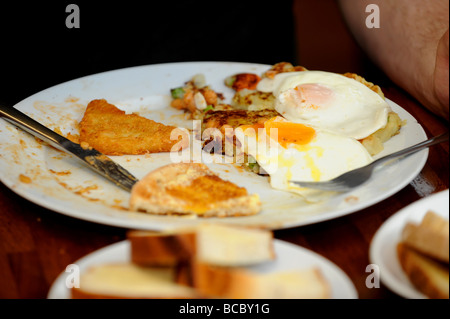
(326,156)
(330,101)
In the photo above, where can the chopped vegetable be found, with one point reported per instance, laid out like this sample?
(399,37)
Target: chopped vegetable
(208,108)
(254,167)
(199,81)
(229,81)
(177,93)
(243,81)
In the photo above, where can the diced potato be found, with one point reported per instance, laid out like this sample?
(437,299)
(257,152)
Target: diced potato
(374,142)
(253,100)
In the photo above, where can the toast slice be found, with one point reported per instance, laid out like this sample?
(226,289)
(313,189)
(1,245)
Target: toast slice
(243,283)
(431,236)
(214,244)
(426,274)
(216,260)
(205,261)
(129,281)
(112,132)
(233,245)
(191,189)
(162,249)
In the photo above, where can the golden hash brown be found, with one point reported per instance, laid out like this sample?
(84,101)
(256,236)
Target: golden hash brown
(112,132)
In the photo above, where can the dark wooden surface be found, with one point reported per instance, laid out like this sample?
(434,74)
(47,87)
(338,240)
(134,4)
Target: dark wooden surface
(37,244)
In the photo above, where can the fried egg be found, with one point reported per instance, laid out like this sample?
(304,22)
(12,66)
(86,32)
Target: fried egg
(290,151)
(328,101)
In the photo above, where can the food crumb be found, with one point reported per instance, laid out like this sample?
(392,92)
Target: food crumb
(24,179)
(60,173)
(351,199)
(73,137)
(72,99)
(86,189)
(85,146)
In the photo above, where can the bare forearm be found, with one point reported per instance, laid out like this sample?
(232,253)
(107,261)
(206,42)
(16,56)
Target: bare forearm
(406,44)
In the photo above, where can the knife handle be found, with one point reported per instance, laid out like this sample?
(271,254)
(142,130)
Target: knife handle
(33,127)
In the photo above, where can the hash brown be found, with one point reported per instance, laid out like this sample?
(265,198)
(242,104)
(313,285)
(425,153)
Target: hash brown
(112,132)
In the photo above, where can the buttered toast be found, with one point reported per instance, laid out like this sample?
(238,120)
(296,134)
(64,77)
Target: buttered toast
(203,261)
(424,257)
(426,274)
(214,244)
(130,281)
(191,189)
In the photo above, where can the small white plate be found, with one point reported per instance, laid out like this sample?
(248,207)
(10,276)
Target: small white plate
(383,247)
(288,257)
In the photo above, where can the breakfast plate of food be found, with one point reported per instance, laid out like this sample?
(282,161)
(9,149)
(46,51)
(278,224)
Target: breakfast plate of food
(211,140)
(210,261)
(412,249)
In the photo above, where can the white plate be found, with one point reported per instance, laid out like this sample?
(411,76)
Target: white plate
(60,183)
(384,243)
(288,257)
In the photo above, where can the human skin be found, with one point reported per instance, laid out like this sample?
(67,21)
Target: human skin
(411,45)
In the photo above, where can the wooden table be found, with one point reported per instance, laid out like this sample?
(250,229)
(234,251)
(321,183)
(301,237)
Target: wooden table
(37,244)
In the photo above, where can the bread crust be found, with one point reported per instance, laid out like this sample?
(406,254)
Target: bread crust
(427,275)
(213,243)
(431,236)
(167,249)
(128,281)
(243,283)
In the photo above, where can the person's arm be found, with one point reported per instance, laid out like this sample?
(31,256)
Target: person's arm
(411,45)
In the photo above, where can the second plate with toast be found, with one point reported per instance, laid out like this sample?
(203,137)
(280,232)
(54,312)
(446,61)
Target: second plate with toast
(404,249)
(279,267)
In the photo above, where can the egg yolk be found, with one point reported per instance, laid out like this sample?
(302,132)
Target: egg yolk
(290,133)
(286,132)
(312,95)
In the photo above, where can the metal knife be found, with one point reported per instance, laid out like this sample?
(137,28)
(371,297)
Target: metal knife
(93,158)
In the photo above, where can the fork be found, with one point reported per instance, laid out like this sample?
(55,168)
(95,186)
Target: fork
(359,176)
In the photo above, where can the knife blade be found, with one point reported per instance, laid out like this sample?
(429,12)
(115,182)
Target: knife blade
(95,160)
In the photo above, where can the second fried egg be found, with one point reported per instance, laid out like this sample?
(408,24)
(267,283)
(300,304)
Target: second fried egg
(290,151)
